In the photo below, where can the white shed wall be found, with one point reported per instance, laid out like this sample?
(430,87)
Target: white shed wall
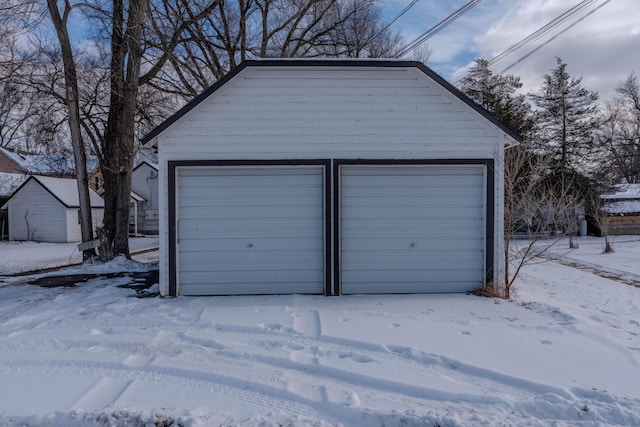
(311,113)
(74,233)
(144,182)
(47,217)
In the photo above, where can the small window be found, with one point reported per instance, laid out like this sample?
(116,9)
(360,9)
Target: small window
(96,183)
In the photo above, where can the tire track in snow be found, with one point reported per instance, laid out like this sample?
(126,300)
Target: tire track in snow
(617,276)
(257,394)
(272,337)
(293,400)
(364,352)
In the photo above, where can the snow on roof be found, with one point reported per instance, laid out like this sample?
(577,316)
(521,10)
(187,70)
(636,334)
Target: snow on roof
(10,182)
(66,190)
(46,164)
(624,191)
(135,197)
(626,207)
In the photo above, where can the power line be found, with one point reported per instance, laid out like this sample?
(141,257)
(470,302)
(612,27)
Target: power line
(554,37)
(542,31)
(536,35)
(438,27)
(398,16)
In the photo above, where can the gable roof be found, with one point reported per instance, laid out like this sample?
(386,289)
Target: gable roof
(144,162)
(65,190)
(387,63)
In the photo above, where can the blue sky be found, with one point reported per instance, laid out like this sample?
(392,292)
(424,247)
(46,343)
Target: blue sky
(603,48)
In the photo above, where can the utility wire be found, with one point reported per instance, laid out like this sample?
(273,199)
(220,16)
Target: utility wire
(398,16)
(554,37)
(438,27)
(542,31)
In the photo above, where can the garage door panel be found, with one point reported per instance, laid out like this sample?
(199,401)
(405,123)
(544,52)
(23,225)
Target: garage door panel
(412,226)
(293,244)
(247,228)
(233,212)
(409,257)
(444,243)
(435,285)
(403,194)
(265,259)
(229,197)
(412,229)
(250,287)
(250,230)
(427,275)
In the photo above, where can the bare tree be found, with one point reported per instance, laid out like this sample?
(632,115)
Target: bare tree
(601,218)
(236,30)
(60,23)
(535,214)
(620,135)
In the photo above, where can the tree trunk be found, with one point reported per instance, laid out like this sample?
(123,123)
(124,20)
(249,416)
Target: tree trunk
(71,93)
(119,139)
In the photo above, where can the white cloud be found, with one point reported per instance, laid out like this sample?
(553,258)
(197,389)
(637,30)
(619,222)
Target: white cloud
(602,48)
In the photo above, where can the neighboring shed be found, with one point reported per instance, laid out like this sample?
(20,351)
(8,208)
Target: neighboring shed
(46,209)
(143,214)
(330,177)
(144,182)
(623,209)
(9,182)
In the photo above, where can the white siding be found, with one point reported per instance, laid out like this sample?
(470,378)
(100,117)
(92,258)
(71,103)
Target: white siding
(46,216)
(412,229)
(144,182)
(74,233)
(271,113)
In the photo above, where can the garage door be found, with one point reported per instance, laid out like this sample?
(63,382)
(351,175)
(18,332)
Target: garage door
(255,230)
(412,229)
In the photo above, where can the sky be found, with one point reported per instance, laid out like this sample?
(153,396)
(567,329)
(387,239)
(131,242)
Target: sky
(602,48)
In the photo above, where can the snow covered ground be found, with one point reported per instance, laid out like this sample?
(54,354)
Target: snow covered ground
(564,351)
(19,257)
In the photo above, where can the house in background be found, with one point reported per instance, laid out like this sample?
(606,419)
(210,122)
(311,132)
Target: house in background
(143,217)
(56,165)
(46,209)
(330,177)
(144,183)
(623,209)
(9,182)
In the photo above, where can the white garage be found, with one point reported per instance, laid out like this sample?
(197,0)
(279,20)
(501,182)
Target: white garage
(330,177)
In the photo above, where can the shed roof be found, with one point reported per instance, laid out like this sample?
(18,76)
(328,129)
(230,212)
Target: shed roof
(64,190)
(381,63)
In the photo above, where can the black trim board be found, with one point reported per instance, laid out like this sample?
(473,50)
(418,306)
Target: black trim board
(331,63)
(332,207)
(48,190)
(489,211)
(172,175)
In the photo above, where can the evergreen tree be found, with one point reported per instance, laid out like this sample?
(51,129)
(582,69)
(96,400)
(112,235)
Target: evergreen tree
(497,94)
(567,118)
